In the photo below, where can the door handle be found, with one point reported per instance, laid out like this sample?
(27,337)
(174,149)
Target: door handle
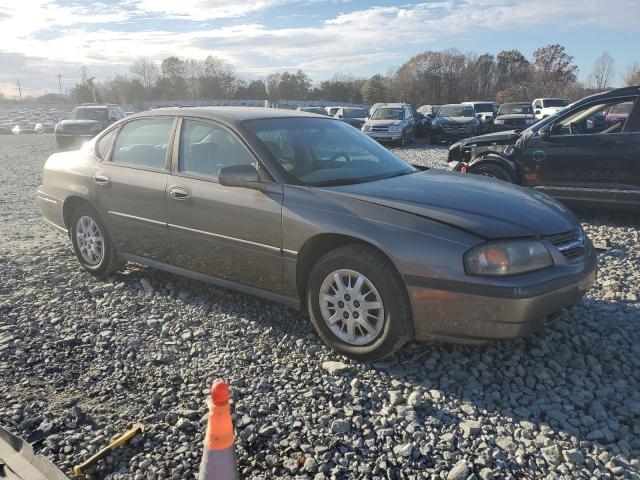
(101,178)
(179,193)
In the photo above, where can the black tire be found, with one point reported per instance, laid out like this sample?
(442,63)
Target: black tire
(494,171)
(109,263)
(397,327)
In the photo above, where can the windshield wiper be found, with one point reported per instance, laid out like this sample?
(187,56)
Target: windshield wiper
(351,181)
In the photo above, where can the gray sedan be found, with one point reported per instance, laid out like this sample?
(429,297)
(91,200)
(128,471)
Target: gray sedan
(311,212)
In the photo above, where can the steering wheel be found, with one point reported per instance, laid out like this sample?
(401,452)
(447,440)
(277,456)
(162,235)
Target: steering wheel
(573,129)
(338,155)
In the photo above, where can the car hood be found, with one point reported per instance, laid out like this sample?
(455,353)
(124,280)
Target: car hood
(500,138)
(460,120)
(514,116)
(79,123)
(486,207)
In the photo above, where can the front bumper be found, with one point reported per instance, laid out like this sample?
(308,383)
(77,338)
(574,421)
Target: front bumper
(468,314)
(385,136)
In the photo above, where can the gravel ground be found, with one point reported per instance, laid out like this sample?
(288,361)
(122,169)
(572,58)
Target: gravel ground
(82,358)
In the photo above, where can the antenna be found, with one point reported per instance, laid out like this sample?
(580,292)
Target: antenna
(19,87)
(60,83)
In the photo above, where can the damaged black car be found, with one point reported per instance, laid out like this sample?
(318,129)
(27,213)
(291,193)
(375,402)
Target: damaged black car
(588,153)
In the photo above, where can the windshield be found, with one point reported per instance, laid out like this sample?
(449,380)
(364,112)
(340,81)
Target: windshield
(456,111)
(355,113)
(515,109)
(554,102)
(313,151)
(388,114)
(98,114)
(483,107)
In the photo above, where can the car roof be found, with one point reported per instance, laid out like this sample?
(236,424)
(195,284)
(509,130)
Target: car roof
(479,101)
(227,115)
(90,107)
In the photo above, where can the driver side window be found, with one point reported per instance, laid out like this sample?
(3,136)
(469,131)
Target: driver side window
(596,118)
(206,148)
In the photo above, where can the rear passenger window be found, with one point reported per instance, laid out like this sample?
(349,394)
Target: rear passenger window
(103,144)
(205,148)
(143,143)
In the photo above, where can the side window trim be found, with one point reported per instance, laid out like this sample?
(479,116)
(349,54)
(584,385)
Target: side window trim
(174,169)
(169,152)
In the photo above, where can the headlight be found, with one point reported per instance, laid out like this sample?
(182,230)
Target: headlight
(394,128)
(528,121)
(507,258)
(498,121)
(366,128)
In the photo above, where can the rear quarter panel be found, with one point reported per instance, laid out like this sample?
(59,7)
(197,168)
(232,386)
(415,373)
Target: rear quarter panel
(65,175)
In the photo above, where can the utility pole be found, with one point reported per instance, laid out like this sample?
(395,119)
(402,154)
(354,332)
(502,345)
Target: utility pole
(60,83)
(19,87)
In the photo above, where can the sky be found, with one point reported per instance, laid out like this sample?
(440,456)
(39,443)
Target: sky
(41,39)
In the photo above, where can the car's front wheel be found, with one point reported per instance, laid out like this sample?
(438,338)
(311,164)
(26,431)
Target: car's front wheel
(92,244)
(493,171)
(358,303)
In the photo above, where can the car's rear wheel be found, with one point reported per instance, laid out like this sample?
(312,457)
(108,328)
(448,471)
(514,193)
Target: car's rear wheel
(493,171)
(358,304)
(92,244)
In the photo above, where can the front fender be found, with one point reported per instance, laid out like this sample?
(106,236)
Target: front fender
(495,158)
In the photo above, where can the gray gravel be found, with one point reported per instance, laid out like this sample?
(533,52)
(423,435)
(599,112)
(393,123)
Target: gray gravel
(82,358)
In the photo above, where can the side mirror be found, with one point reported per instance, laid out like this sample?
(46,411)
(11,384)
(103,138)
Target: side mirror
(537,112)
(239,176)
(339,115)
(545,133)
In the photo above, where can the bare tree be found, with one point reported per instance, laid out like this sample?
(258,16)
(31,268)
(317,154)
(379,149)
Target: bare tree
(146,70)
(632,77)
(602,72)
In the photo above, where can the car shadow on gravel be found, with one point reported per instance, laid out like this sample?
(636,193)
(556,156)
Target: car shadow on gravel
(578,378)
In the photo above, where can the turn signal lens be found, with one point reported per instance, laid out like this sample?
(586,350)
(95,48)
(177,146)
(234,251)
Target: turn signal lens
(507,258)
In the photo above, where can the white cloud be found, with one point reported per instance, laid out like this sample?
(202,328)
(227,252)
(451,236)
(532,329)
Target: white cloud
(345,42)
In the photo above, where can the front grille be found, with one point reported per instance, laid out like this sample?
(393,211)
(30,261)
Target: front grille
(377,128)
(571,244)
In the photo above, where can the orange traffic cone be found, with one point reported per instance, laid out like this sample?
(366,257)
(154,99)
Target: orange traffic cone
(219,455)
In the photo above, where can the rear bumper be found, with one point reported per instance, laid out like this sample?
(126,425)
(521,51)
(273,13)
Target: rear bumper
(461,315)
(51,210)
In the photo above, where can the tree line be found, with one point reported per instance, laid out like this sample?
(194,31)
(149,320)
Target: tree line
(430,77)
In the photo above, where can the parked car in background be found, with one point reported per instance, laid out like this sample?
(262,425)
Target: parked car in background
(545,107)
(331,111)
(308,211)
(422,124)
(485,111)
(572,155)
(430,112)
(353,116)
(316,110)
(391,122)
(84,123)
(454,122)
(513,116)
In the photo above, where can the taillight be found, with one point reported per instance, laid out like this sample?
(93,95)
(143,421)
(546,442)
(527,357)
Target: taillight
(463,169)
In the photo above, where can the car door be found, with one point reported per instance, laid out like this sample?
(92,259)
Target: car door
(128,185)
(581,159)
(232,233)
